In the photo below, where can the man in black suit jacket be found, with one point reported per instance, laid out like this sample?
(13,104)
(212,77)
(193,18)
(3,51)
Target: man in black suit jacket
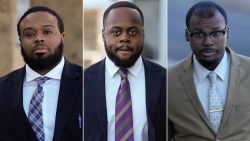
(123,36)
(41,35)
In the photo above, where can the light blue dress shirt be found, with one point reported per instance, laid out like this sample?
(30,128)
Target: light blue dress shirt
(51,91)
(201,80)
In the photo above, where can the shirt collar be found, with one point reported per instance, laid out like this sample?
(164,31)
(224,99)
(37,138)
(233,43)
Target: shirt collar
(55,73)
(112,69)
(221,70)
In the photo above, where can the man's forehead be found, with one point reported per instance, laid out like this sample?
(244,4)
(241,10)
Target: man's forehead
(120,11)
(217,18)
(123,14)
(39,19)
(39,16)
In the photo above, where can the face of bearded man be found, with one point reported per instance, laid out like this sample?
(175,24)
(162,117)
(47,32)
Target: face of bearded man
(39,62)
(41,41)
(123,36)
(129,62)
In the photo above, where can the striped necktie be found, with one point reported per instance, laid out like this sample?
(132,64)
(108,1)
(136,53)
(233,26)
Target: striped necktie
(215,103)
(123,110)
(35,114)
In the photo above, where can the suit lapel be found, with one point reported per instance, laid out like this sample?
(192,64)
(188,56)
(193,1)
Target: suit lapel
(97,88)
(70,87)
(188,82)
(234,81)
(152,88)
(14,92)
(152,75)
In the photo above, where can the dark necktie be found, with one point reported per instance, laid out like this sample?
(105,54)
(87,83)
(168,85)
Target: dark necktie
(35,114)
(123,110)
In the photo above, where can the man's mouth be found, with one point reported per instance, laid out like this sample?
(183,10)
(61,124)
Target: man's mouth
(208,52)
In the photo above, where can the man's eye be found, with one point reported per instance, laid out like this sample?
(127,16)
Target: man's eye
(198,35)
(133,32)
(116,33)
(29,34)
(47,32)
(216,33)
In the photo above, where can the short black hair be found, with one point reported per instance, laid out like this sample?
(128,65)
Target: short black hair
(122,4)
(42,9)
(205,9)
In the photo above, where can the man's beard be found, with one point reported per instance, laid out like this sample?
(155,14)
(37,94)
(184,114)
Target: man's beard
(123,63)
(41,63)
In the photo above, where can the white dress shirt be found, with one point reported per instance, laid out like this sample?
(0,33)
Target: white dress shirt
(136,77)
(201,80)
(51,92)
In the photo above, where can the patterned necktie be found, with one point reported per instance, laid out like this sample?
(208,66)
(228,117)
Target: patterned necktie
(35,114)
(123,110)
(215,103)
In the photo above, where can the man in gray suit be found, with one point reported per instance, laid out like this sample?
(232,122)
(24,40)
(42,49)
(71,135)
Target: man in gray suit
(209,90)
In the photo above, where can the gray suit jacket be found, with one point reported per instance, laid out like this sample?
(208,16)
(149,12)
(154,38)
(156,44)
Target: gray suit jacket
(187,119)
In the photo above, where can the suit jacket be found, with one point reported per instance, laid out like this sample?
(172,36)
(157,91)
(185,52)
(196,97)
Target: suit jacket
(187,118)
(95,112)
(14,124)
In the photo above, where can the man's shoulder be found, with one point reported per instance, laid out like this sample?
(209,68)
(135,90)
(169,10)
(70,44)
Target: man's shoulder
(95,67)
(238,59)
(70,67)
(180,65)
(243,59)
(16,74)
(152,65)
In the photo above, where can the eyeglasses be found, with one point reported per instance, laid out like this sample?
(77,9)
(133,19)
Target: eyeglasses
(214,36)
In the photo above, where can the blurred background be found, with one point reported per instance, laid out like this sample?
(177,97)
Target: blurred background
(155,16)
(238,12)
(12,10)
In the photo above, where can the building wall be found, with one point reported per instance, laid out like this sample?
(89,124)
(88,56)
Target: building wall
(93,45)
(7,12)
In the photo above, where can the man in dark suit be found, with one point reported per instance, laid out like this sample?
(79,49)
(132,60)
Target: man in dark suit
(43,100)
(124,69)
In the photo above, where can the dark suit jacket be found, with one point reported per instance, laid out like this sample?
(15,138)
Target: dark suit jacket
(14,125)
(95,112)
(187,118)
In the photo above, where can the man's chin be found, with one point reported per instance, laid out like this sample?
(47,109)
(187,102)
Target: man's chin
(123,60)
(126,63)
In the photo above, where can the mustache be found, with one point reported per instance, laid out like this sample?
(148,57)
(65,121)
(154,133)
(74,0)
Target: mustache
(39,46)
(207,50)
(124,48)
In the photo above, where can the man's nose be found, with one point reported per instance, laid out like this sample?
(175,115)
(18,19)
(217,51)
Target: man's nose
(39,38)
(208,41)
(125,38)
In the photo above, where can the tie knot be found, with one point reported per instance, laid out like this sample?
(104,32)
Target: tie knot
(123,72)
(212,76)
(41,80)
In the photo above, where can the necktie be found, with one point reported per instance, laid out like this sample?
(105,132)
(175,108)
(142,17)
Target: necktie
(123,110)
(215,103)
(35,114)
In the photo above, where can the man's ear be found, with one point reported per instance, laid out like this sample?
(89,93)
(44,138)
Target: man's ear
(187,35)
(62,36)
(227,32)
(103,34)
